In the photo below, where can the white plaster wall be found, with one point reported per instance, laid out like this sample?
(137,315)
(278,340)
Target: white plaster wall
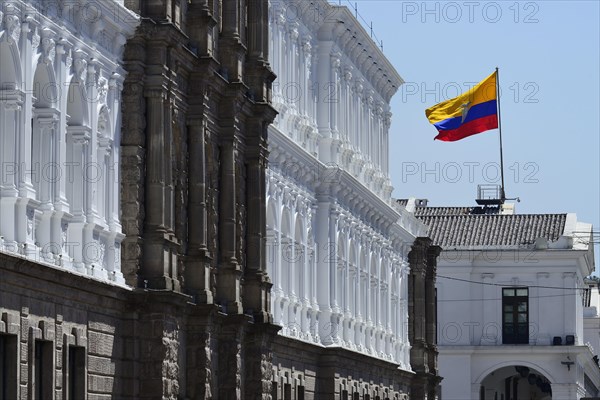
(470,318)
(338,250)
(60,114)
(467,310)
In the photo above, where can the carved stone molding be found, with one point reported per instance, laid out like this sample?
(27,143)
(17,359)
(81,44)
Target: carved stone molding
(48,47)
(13,28)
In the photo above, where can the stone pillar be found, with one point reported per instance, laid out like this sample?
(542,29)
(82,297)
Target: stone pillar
(258,50)
(159,336)
(201,357)
(60,193)
(232,50)
(256,281)
(26,188)
(133,158)
(406,312)
(159,267)
(230,371)
(91,173)
(230,271)
(115,174)
(323,77)
(197,271)
(431,313)
(417,305)
(258,357)
(9,135)
(323,274)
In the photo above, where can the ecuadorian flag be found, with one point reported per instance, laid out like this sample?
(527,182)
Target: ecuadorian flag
(472,112)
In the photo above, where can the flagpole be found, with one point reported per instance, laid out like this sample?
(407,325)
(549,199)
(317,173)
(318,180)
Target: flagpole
(502,193)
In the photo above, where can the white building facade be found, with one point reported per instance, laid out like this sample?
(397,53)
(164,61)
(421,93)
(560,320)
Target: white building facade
(60,91)
(511,304)
(591,317)
(337,250)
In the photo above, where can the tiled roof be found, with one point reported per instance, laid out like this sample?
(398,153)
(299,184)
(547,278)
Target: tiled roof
(466,230)
(431,211)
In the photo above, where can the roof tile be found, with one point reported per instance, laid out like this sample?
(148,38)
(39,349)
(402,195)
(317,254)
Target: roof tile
(456,229)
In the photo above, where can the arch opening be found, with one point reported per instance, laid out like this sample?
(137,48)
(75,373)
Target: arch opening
(515,382)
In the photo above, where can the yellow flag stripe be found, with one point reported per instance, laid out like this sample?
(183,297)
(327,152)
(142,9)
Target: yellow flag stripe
(482,92)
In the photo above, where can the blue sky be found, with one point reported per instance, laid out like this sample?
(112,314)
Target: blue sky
(548,53)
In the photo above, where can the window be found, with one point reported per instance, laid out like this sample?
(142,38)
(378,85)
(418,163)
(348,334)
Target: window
(515,316)
(8,367)
(287,391)
(43,370)
(75,377)
(300,395)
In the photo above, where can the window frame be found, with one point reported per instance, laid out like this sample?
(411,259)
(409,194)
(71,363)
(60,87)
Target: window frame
(515,300)
(8,366)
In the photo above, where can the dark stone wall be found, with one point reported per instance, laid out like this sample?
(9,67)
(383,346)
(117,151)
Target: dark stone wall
(325,373)
(422,318)
(196,107)
(38,302)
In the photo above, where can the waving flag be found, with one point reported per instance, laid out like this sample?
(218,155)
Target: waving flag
(472,112)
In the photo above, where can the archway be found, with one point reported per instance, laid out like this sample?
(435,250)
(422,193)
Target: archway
(515,382)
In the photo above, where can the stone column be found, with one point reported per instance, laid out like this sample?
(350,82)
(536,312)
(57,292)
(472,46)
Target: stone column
(256,281)
(60,151)
(431,306)
(232,51)
(27,47)
(200,348)
(323,77)
(323,275)
(231,357)
(368,314)
(9,128)
(406,312)
(229,273)
(197,271)
(258,357)
(159,267)
(391,294)
(417,269)
(91,168)
(10,111)
(417,301)
(258,50)
(115,90)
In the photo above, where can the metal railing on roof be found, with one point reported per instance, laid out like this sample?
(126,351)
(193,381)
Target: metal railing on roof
(378,42)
